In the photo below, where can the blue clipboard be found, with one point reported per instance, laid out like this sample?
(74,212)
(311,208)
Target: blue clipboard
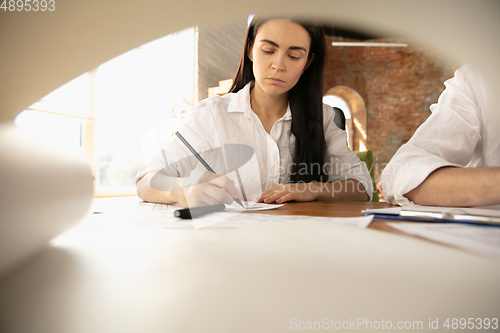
(419,216)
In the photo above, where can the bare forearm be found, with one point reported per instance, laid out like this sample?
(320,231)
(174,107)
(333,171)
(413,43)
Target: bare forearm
(349,189)
(460,187)
(202,190)
(149,194)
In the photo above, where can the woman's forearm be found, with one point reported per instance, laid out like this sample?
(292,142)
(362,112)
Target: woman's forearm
(202,190)
(149,194)
(349,189)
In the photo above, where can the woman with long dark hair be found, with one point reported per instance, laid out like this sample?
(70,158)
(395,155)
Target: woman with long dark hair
(275,107)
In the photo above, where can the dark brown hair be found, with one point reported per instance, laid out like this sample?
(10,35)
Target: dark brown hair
(305,100)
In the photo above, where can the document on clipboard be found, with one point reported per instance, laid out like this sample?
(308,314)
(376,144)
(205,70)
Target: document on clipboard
(484,215)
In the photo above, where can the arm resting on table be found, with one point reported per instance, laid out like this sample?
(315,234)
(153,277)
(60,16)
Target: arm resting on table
(349,189)
(458,187)
(204,190)
(149,194)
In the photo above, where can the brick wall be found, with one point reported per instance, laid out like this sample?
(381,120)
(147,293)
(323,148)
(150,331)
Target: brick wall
(397,85)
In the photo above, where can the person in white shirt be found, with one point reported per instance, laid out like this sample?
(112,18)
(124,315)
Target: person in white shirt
(453,159)
(289,146)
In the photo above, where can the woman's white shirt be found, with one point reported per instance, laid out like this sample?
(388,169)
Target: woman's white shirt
(217,125)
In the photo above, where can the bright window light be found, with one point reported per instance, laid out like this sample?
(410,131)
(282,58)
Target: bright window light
(108,110)
(338,102)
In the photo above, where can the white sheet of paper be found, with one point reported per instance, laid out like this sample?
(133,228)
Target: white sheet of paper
(250,205)
(481,239)
(361,222)
(133,211)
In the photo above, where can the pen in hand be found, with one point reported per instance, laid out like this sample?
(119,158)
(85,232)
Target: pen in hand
(202,161)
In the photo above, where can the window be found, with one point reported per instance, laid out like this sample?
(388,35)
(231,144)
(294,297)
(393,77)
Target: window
(339,102)
(107,111)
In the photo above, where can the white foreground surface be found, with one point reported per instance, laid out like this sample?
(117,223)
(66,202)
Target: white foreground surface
(114,274)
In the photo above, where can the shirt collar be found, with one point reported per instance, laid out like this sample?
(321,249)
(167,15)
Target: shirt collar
(288,114)
(241,103)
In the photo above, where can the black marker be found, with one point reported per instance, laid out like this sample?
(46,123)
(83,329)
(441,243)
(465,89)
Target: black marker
(193,212)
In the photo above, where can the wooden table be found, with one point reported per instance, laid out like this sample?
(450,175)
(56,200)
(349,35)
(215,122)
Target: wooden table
(324,208)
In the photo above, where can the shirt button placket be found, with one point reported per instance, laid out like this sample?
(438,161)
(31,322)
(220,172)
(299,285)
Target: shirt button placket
(273,161)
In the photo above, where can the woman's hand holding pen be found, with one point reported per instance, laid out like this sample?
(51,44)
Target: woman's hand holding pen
(211,189)
(289,192)
(208,189)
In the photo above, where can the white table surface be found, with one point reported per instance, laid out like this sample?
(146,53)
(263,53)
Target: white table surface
(122,271)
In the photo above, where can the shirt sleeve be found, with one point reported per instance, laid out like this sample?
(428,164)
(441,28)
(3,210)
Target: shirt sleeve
(448,137)
(171,156)
(341,163)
